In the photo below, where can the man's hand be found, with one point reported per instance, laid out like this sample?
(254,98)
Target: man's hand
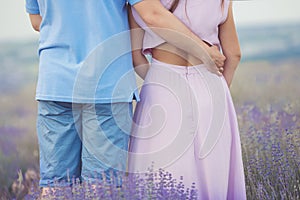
(215,60)
(35,21)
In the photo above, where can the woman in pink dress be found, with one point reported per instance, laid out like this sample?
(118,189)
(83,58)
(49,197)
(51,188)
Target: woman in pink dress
(185,122)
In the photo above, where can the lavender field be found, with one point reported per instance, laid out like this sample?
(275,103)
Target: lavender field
(265,91)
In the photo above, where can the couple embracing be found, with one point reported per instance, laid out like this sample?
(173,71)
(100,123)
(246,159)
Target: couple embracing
(184,121)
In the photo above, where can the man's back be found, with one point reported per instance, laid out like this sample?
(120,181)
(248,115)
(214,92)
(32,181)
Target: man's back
(69,32)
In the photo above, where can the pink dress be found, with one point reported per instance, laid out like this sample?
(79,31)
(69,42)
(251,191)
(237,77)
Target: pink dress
(185,122)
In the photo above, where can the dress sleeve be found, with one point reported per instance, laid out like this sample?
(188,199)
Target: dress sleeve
(225,11)
(32,7)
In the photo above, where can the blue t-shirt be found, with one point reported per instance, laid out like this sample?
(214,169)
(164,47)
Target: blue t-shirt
(84,51)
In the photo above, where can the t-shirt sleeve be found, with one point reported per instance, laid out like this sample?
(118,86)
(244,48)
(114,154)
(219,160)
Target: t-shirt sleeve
(132,2)
(32,7)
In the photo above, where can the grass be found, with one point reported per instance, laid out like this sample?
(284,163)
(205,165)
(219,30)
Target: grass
(266,97)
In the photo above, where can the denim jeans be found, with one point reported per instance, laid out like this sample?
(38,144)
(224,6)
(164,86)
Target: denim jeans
(82,141)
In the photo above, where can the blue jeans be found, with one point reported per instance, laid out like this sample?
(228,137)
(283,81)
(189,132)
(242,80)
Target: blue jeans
(82,140)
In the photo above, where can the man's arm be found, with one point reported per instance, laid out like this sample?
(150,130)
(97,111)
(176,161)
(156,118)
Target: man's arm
(172,30)
(230,46)
(35,20)
(140,62)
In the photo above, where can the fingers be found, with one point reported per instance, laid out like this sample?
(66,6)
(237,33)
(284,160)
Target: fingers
(219,63)
(216,61)
(214,71)
(217,66)
(217,57)
(220,60)
(214,68)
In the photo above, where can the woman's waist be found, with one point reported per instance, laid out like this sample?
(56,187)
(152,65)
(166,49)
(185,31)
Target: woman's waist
(161,69)
(169,54)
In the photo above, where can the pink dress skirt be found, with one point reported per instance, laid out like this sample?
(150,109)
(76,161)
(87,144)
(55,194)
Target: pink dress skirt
(186,125)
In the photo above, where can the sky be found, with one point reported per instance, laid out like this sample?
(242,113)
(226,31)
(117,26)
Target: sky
(15,23)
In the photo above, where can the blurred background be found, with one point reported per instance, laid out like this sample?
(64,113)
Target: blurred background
(266,80)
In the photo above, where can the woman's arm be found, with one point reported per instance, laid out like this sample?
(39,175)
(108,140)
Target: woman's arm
(230,46)
(140,62)
(35,21)
(172,30)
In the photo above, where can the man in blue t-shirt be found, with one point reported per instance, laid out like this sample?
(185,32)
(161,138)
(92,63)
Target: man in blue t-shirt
(85,88)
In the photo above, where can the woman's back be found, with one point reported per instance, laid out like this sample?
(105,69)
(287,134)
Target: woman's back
(202,17)
(185,122)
